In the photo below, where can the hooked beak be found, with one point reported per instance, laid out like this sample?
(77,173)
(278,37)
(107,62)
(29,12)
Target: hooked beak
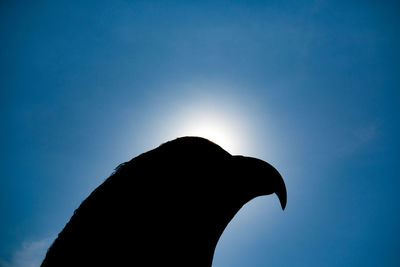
(265,179)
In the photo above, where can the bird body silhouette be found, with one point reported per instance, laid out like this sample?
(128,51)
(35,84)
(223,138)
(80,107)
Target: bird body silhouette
(166,207)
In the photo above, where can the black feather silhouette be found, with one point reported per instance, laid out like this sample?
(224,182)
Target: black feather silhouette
(166,207)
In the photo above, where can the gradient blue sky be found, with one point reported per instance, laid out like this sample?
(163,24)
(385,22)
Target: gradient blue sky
(310,86)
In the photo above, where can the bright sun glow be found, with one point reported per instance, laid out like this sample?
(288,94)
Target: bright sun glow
(219,126)
(217,131)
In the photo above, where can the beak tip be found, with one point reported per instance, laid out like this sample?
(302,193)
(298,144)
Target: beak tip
(282,200)
(282,196)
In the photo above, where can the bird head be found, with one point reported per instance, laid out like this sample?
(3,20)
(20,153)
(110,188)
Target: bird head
(258,178)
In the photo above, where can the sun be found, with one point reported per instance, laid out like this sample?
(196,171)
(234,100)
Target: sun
(215,125)
(214,130)
(222,119)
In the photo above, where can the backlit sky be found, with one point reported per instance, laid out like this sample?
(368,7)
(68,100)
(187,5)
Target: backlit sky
(312,87)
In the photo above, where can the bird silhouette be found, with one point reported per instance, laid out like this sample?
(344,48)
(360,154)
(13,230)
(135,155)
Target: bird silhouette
(165,207)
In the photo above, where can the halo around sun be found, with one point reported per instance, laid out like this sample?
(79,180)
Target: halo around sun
(217,124)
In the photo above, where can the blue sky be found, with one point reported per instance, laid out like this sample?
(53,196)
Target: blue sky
(310,86)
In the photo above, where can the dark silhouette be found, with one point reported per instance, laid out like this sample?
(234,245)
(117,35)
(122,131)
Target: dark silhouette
(166,207)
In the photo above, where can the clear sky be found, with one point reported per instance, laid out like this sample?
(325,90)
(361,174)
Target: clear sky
(310,86)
